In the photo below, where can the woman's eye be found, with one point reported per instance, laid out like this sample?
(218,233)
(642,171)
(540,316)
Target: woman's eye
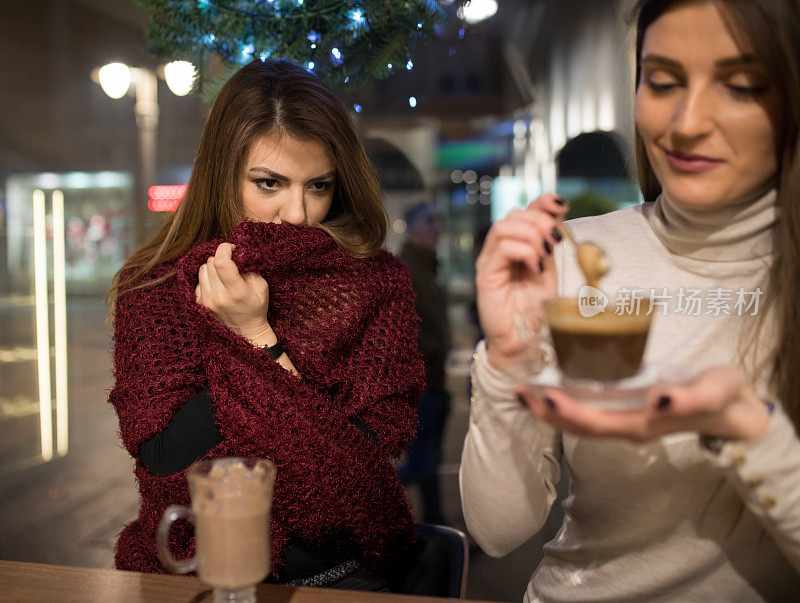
(266,183)
(660,81)
(660,85)
(321,186)
(746,89)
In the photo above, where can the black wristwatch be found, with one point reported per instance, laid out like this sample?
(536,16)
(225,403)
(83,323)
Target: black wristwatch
(274,351)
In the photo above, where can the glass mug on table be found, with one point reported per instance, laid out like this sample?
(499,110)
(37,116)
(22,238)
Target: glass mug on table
(231,502)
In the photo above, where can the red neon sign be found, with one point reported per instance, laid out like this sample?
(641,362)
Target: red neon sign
(165,198)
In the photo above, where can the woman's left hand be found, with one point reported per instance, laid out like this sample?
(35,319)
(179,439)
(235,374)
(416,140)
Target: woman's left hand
(718,403)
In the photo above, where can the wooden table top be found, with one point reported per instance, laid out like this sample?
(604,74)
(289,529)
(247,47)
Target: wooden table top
(36,582)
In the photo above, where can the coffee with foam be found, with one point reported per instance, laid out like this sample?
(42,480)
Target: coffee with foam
(603,347)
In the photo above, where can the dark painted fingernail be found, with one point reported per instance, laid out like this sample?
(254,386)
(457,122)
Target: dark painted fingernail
(555,233)
(663,402)
(561,202)
(550,403)
(548,248)
(541,265)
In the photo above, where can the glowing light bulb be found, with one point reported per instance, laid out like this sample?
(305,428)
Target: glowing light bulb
(477,10)
(115,79)
(180,76)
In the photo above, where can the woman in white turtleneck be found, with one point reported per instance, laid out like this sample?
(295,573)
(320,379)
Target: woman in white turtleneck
(695,497)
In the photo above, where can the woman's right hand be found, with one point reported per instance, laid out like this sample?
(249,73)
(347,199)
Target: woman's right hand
(514,273)
(239,301)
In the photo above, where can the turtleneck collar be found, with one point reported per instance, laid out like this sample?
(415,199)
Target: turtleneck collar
(742,231)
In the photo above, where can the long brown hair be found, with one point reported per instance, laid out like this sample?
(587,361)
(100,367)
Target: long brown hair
(772,29)
(262,98)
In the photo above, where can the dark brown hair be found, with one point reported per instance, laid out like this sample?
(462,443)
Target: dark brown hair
(263,98)
(771,28)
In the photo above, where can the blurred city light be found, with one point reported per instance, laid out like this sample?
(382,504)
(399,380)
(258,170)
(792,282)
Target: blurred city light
(475,11)
(180,76)
(115,79)
(412,101)
(42,325)
(165,198)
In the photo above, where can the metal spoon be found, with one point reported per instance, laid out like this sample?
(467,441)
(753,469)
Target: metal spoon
(591,258)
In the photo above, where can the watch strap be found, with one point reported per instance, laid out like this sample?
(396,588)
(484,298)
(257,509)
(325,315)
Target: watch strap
(275,351)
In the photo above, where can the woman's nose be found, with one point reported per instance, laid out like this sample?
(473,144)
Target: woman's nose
(293,211)
(694,113)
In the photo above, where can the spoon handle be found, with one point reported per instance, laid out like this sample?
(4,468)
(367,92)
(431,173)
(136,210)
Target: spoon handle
(566,233)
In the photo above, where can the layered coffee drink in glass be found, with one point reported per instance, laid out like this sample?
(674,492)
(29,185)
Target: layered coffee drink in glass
(604,347)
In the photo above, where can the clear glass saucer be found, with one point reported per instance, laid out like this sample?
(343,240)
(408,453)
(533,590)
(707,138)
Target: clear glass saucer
(612,395)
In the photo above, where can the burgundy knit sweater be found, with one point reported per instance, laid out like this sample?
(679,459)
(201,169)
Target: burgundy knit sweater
(348,326)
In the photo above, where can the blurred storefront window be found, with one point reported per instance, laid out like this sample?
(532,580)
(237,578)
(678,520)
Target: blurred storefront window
(98,227)
(61,234)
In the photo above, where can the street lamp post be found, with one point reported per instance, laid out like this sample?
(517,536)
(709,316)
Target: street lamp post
(116,80)
(146,110)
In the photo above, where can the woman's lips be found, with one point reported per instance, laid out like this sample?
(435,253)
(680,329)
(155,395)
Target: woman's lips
(687,162)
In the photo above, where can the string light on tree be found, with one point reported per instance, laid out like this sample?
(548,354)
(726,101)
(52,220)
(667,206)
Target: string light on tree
(347,42)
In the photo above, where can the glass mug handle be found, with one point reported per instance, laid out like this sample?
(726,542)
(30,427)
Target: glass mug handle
(172,514)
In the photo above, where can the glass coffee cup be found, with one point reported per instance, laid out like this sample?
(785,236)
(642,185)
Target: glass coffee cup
(231,502)
(600,345)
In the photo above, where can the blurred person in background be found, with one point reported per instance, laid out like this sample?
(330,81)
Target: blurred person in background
(696,495)
(260,322)
(424,228)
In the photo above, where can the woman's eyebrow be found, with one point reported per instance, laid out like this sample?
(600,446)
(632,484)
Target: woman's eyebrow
(268,172)
(738,61)
(325,175)
(735,61)
(276,176)
(661,60)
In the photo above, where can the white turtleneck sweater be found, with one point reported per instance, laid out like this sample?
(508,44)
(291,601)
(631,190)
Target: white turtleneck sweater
(668,520)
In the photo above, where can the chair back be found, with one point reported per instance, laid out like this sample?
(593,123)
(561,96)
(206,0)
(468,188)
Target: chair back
(455,542)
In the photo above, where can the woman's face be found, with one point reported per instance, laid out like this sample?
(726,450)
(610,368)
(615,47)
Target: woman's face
(705,110)
(287,180)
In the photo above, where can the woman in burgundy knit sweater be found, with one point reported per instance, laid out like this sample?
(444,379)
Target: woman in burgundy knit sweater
(265,320)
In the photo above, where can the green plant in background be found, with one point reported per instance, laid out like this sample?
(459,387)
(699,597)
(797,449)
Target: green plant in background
(342,42)
(589,203)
